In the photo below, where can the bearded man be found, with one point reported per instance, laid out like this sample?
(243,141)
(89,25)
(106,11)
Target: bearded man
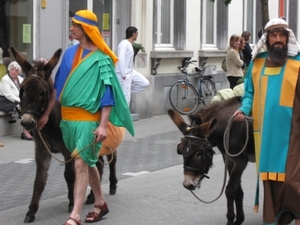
(272,98)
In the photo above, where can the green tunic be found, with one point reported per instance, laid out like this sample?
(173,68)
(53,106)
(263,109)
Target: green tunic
(84,88)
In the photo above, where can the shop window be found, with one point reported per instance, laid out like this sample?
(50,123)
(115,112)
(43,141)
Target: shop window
(16,26)
(103,11)
(75,5)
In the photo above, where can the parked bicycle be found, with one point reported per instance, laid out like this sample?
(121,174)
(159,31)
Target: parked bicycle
(185,97)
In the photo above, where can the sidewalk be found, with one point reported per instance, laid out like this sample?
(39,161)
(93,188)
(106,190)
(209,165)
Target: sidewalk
(156,197)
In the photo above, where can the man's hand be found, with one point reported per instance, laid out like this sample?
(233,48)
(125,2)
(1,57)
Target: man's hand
(239,115)
(100,134)
(42,121)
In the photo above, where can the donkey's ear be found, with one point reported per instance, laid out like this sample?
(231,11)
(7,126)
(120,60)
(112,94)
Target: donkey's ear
(25,65)
(52,63)
(179,121)
(205,129)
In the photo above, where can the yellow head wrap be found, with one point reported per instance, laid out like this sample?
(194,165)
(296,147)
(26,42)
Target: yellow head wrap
(88,20)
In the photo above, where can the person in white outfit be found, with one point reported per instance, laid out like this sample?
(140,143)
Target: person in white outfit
(131,81)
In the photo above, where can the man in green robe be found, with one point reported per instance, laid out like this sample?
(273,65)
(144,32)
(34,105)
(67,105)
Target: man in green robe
(90,95)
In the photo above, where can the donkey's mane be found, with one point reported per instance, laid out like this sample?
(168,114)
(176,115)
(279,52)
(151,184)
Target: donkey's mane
(39,67)
(206,113)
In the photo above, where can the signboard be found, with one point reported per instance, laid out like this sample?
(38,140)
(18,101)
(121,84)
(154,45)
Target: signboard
(105,23)
(27,33)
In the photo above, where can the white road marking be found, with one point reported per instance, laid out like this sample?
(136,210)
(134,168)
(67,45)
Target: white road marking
(25,161)
(135,174)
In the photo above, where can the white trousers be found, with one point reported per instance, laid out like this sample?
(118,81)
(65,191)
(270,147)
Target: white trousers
(133,83)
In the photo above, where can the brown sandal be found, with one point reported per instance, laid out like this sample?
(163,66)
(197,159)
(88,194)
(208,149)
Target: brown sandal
(94,217)
(78,222)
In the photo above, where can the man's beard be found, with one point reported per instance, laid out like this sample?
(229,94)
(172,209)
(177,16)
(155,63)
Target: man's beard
(277,55)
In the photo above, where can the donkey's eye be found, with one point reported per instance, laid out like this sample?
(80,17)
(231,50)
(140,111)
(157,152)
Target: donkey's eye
(42,95)
(199,154)
(179,150)
(22,93)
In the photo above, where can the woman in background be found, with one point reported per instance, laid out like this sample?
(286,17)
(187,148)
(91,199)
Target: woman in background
(233,61)
(9,94)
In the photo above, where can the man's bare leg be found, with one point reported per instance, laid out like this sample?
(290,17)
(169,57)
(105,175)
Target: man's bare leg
(95,183)
(81,182)
(297,221)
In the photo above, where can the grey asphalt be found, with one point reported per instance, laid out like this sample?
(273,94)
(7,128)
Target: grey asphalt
(150,189)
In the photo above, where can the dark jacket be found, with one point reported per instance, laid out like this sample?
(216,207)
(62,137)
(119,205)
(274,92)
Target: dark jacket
(247,51)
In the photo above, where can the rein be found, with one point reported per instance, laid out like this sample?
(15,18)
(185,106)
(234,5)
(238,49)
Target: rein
(192,169)
(227,135)
(72,157)
(227,154)
(222,189)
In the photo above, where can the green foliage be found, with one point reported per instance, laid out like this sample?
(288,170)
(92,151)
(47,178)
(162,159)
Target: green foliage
(138,46)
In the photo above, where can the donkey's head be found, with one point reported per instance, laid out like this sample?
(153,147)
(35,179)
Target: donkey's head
(195,148)
(36,88)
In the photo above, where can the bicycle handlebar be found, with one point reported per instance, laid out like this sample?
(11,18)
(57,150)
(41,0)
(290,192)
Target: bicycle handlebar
(186,64)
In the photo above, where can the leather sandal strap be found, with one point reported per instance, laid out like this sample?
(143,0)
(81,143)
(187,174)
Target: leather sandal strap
(101,207)
(78,222)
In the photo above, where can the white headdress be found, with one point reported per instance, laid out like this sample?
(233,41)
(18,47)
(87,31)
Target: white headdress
(292,45)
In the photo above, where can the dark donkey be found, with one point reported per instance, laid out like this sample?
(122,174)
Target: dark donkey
(206,131)
(35,92)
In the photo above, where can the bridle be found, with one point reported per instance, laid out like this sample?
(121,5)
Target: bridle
(227,154)
(203,171)
(34,112)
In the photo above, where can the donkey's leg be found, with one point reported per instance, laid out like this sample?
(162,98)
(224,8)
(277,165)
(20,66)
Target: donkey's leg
(233,193)
(112,173)
(239,198)
(69,175)
(42,159)
(230,196)
(91,198)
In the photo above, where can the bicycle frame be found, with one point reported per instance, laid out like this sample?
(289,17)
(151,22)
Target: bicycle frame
(184,96)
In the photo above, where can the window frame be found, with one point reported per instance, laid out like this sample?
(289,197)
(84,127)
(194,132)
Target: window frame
(209,46)
(251,15)
(158,45)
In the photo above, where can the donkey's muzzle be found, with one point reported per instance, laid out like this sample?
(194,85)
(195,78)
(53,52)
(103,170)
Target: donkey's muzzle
(28,122)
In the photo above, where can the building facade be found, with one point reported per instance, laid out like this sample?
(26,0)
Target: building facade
(170,31)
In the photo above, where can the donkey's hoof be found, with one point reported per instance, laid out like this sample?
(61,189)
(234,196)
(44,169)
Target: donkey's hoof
(29,219)
(112,191)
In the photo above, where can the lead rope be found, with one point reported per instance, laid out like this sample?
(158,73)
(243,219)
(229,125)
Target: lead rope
(226,146)
(227,135)
(223,187)
(72,157)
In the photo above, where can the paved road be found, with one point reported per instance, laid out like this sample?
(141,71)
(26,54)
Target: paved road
(150,187)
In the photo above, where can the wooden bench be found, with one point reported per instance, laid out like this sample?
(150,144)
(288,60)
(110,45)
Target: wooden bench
(9,125)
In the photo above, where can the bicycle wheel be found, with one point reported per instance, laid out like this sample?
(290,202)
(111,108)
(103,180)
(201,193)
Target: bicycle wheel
(183,98)
(207,90)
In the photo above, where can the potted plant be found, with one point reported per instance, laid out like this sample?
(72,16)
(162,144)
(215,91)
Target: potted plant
(136,48)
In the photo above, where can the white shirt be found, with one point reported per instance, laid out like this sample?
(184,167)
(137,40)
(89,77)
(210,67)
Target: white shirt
(125,55)
(8,88)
